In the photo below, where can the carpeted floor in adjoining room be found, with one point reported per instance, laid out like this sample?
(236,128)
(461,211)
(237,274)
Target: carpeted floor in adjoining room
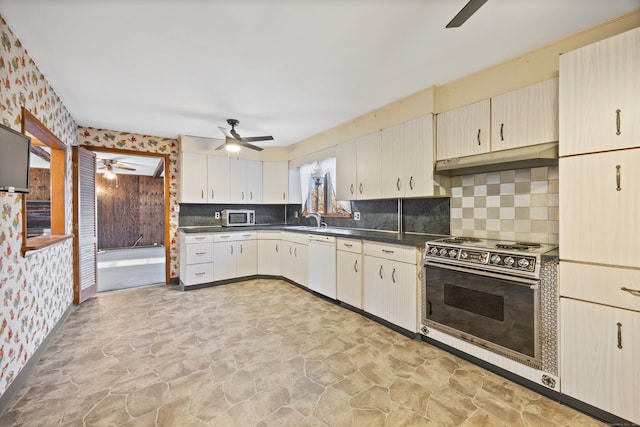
(258,353)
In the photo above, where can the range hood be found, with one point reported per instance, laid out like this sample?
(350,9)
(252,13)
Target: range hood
(515,158)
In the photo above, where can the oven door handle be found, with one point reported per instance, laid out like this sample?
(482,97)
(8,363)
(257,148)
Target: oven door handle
(532,283)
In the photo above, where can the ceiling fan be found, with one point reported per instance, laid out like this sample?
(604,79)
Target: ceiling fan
(109,164)
(233,141)
(465,13)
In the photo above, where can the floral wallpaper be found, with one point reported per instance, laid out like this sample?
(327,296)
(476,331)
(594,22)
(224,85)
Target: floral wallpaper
(35,291)
(151,144)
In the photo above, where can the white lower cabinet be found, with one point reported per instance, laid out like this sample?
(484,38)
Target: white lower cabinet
(269,249)
(600,348)
(196,258)
(349,272)
(236,255)
(294,257)
(390,289)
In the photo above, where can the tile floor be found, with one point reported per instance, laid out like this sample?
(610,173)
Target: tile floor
(258,353)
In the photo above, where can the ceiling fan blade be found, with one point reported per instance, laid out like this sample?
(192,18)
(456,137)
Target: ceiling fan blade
(256,138)
(222,146)
(123,167)
(249,146)
(465,13)
(226,132)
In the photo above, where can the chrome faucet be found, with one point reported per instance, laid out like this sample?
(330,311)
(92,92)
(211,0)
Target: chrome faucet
(316,216)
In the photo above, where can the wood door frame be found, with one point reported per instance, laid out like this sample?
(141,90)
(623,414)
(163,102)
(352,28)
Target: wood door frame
(167,234)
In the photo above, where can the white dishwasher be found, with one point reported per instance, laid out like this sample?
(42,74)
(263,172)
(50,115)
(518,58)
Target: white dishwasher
(322,264)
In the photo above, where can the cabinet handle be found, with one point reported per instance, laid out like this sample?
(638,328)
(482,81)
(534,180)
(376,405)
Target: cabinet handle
(246,235)
(618,188)
(225,237)
(381,272)
(200,238)
(618,122)
(386,251)
(295,252)
(212,193)
(240,248)
(200,253)
(250,195)
(200,274)
(243,195)
(479,136)
(231,250)
(202,194)
(355,266)
(501,131)
(284,195)
(411,183)
(393,276)
(276,248)
(290,250)
(351,188)
(398,184)
(635,292)
(619,335)
(360,188)
(349,245)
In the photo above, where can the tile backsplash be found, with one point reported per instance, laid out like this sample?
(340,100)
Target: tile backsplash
(515,205)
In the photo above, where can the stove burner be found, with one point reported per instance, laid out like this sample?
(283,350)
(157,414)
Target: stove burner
(529,244)
(513,246)
(459,240)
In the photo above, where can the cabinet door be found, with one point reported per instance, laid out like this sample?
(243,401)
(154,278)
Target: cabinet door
(369,160)
(247,258)
(287,259)
(599,90)
(346,171)
(238,181)
(464,131)
(295,191)
(254,182)
(301,260)
(391,169)
(418,157)
(269,257)
(375,291)
(193,178)
(599,349)
(526,116)
(224,261)
(402,298)
(349,278)
(599,208)
(275,182)
(217,179)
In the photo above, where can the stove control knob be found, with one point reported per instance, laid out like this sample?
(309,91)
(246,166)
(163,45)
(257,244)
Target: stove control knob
(453,253)
(508,261)
(433,251)
(496,259)
(523,263)
(443,252)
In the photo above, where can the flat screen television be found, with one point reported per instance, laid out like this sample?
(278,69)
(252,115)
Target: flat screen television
(14,161)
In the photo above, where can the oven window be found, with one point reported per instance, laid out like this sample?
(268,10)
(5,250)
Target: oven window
(482,303)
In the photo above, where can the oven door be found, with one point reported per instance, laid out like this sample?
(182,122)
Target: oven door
(492,310)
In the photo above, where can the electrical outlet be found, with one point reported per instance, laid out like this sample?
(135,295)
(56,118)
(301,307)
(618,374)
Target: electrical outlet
(217,215)
(356,216)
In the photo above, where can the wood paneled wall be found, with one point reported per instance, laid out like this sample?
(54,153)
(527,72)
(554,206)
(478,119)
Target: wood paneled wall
(132,208)
(39,184)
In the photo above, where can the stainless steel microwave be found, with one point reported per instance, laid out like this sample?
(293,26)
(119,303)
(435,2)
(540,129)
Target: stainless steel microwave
(238,217)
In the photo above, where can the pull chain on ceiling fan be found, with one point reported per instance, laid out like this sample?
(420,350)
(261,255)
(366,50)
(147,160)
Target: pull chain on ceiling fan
(234,142)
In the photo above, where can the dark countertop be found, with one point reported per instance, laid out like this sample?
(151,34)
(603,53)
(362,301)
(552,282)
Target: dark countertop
(406,239)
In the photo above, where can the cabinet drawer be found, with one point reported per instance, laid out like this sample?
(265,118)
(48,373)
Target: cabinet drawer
(300,238)
(198,253)
(600,284)
(234,237)
(392,252)
(349,245)
(198,273)
(268,235)
(198,238)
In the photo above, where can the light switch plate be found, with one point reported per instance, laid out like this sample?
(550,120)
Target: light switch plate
(217,215)
(356,216)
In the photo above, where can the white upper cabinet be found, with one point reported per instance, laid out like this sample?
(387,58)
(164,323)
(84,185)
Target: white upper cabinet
(418,158)
(238,181)
(392,151)
(526,116)
(254,182)
(295,190)
(193,178)
(346,170)
(599,92)
(275,182)
(464,131)
(369,160)
(217,179)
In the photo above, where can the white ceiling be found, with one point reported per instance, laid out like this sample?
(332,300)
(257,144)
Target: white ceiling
(289,68)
